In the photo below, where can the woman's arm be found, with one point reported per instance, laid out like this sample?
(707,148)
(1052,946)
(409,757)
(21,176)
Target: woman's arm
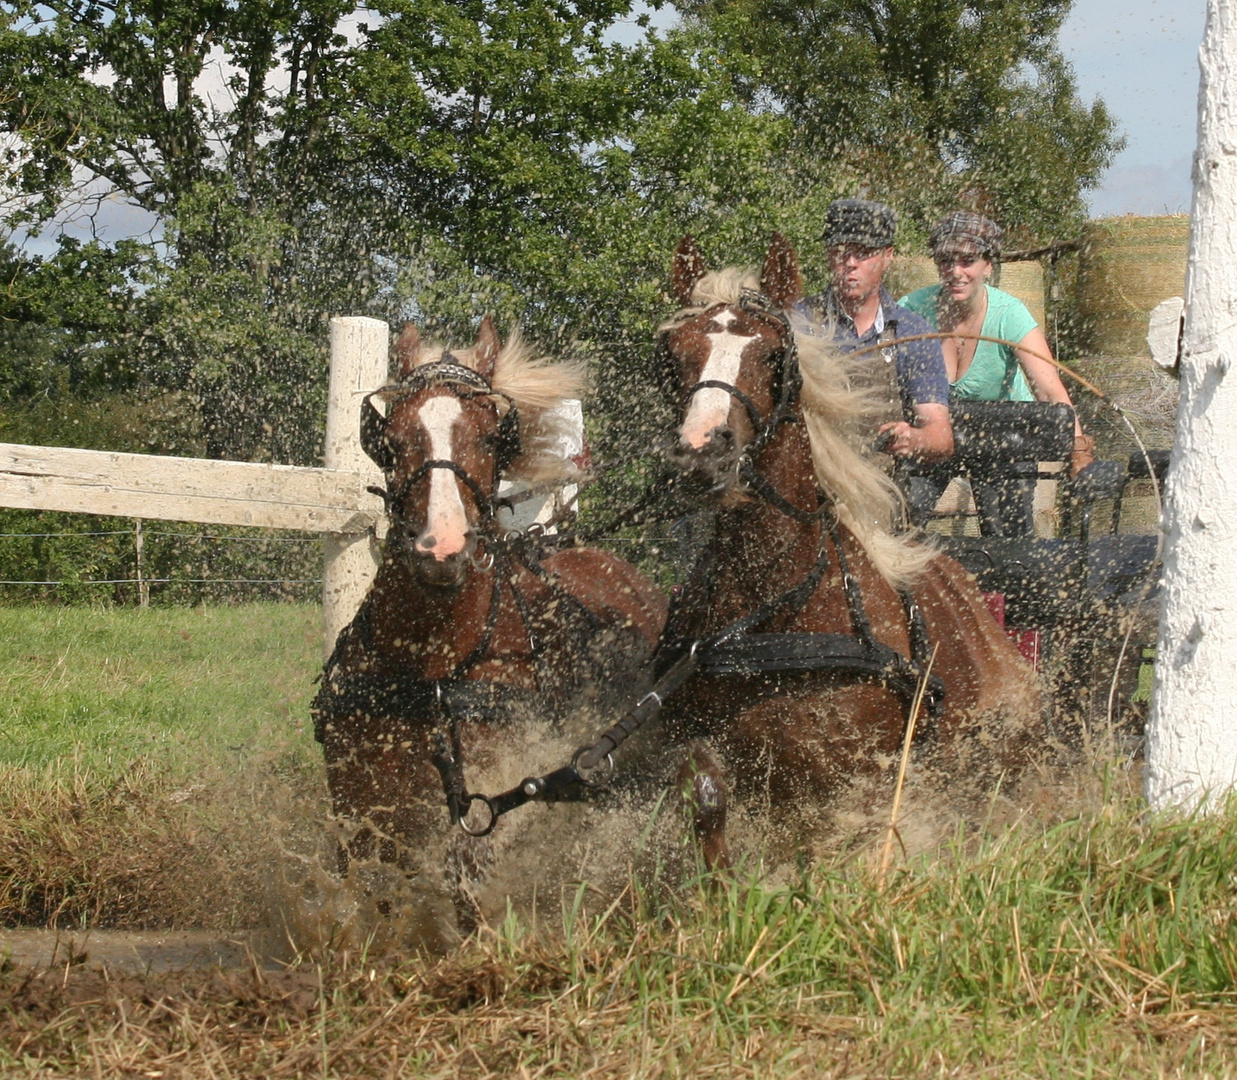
(1035,359)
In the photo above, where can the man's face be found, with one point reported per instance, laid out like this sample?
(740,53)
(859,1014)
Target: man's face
(857,271)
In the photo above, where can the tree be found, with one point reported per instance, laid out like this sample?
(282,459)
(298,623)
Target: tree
(444,158)
(1191,751)
(930,104)
(437,159)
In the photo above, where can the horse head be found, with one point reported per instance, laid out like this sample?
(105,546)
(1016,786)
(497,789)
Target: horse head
(728,351)
(446,438)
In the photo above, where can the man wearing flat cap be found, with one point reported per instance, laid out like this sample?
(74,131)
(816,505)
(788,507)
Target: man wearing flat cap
(864,318)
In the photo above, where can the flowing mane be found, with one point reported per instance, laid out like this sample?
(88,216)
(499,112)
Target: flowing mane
(839,414)
(537,386)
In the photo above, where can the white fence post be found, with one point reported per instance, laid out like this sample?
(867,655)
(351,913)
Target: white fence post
(1191,732)
(359,363)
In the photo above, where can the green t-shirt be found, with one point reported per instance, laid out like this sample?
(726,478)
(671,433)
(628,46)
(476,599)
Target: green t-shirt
(994,374)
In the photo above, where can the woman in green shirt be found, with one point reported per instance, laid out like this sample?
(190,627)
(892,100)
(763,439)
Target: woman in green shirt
(964,247)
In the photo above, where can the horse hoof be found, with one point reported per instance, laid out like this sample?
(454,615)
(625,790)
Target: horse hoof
(704,790)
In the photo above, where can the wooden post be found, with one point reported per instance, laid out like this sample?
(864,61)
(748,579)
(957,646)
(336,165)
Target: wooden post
(1192,729)
(143,586)
(359,363)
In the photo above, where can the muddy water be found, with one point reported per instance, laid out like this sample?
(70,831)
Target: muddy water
(135,952)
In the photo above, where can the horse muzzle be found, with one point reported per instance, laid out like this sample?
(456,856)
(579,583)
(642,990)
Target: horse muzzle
(438,564)
(710,469)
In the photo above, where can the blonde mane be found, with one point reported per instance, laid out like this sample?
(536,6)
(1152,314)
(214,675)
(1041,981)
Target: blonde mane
(839,413)
(536,386)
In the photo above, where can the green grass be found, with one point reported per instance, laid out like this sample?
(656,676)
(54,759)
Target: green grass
(1090,939)
(1098,947)
(153,761)
(180,685)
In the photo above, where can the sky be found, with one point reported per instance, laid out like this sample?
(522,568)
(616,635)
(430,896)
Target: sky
(1141,57)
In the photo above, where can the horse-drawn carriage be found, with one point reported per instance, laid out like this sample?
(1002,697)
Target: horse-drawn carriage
(790,663)
(1079,599)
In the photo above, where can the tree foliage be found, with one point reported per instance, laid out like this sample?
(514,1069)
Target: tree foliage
(930,104)
(437,159)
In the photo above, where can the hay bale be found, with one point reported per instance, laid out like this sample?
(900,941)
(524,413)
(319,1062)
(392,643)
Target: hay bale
(1024,280)
(1126,267)
(1147,396)
(908,273)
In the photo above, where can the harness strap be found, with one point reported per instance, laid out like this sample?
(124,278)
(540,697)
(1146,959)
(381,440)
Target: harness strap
(484,504)
(854,599)
(771,654)
(756,481)
(448,757)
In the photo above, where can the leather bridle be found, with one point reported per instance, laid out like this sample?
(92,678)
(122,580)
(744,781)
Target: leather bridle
(788,384)
(466,384)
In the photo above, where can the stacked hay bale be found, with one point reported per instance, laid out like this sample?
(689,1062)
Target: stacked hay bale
(1126,267)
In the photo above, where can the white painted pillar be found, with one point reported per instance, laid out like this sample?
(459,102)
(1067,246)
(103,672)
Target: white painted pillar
(1192,731)
(359,363)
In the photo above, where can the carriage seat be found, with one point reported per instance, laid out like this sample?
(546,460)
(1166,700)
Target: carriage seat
(1043,581)
(993,437)
(994,440)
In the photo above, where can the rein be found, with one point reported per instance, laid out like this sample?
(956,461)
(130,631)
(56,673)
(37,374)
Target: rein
(732,650)
(735,649)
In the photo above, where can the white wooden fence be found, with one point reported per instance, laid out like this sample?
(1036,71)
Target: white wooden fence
(330,500)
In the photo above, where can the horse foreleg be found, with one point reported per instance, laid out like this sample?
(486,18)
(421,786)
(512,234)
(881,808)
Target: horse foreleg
(704,790)
(468,861)
(382,789)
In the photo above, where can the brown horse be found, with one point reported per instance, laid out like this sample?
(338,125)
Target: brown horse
(467,633)
(806,541)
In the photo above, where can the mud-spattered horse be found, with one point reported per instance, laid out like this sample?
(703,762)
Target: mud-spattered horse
(806,541)
(466,632)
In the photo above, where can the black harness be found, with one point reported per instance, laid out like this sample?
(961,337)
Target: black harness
(454,699)
(736,649)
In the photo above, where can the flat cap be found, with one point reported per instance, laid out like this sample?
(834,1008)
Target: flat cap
(859,221)
(966,233)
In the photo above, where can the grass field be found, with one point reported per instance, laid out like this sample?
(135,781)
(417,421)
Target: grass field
(89,686)
(149,760)
(156,761)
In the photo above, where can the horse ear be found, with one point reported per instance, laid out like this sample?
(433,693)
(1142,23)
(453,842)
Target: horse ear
(488,347)
(407,349)
(780,278)
(686,268)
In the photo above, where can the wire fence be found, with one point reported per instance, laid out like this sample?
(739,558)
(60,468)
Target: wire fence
(51,557)
(65,558)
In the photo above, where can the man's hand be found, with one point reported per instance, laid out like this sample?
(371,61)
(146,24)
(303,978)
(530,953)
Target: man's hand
(930,439)
(1083,455)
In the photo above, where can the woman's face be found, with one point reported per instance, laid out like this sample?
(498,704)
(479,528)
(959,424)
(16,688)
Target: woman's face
(962,275)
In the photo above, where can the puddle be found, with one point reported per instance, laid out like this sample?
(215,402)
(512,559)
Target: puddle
(134,952)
